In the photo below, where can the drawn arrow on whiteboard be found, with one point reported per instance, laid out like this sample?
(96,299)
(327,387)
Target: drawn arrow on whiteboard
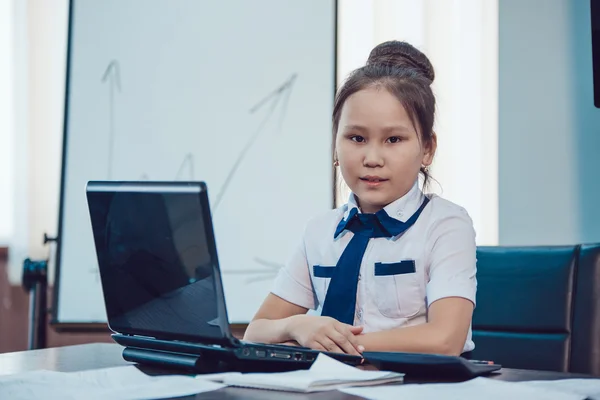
(112,75)
(273,99)
(282,92)
(187,164)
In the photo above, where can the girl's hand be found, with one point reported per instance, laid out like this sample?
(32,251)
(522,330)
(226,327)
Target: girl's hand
(325,334)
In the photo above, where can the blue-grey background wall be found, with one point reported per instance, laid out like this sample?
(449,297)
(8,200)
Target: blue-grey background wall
(549,129)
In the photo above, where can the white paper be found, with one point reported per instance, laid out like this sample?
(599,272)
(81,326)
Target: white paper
(583,387)
(325,374)
(119,383)
(475,389)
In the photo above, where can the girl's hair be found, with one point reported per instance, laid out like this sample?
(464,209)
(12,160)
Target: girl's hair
(406,73)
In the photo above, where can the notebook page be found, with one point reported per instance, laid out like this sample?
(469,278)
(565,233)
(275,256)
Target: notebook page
(325,373)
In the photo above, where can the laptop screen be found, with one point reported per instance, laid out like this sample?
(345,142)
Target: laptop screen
(157,260)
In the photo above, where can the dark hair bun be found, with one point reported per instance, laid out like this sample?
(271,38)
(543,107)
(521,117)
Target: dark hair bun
(400,55)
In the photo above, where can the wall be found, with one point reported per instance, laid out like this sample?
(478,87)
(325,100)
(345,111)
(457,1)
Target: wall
(47,30)
(32,136)
(549,130)
(32,71)
(6,120)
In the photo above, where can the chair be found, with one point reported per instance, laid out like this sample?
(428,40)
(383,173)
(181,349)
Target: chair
(525,307)
(585,343)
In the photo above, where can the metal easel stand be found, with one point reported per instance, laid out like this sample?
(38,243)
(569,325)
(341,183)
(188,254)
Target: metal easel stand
(35,282)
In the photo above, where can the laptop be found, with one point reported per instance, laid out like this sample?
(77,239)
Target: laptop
(161,280)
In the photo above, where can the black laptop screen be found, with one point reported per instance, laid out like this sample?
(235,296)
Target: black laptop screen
(156,263)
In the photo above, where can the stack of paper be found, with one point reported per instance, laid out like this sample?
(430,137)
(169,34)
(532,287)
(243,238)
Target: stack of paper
(586,388)
(485,388)
(117,383)
(325,374)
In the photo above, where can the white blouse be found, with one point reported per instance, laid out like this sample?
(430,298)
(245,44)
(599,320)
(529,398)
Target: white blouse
(441,243)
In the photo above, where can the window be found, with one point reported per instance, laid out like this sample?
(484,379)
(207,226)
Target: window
(460,37)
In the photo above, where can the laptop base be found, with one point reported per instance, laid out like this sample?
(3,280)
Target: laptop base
(185,362)
(207,363)
(253,357)
(199,358)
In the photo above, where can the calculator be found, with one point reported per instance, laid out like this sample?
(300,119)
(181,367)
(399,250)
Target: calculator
(434,366)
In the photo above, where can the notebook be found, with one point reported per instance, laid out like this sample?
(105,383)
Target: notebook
(325,373)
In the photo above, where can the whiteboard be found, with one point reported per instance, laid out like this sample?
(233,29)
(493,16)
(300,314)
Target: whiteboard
(235,93)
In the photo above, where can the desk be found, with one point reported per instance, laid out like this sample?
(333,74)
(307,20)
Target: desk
(103,355)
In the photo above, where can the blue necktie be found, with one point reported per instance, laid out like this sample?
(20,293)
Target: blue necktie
(340,300)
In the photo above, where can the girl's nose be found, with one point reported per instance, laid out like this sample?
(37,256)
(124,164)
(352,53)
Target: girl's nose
(373,157)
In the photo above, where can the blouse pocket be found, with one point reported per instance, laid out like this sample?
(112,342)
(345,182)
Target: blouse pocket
(321,277)
(397,289)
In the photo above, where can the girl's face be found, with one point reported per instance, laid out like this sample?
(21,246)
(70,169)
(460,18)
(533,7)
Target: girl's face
(378,148)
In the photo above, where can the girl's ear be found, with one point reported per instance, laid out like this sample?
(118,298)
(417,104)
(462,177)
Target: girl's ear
(430,150)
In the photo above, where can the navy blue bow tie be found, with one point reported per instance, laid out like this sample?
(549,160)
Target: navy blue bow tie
(340,300)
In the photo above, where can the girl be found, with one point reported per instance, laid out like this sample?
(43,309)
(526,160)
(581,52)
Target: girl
(393,269)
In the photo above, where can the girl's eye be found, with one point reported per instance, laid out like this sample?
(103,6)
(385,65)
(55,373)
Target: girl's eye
(358,139)
(395,139)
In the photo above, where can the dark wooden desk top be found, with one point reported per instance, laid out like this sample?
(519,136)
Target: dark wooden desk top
(104,355)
